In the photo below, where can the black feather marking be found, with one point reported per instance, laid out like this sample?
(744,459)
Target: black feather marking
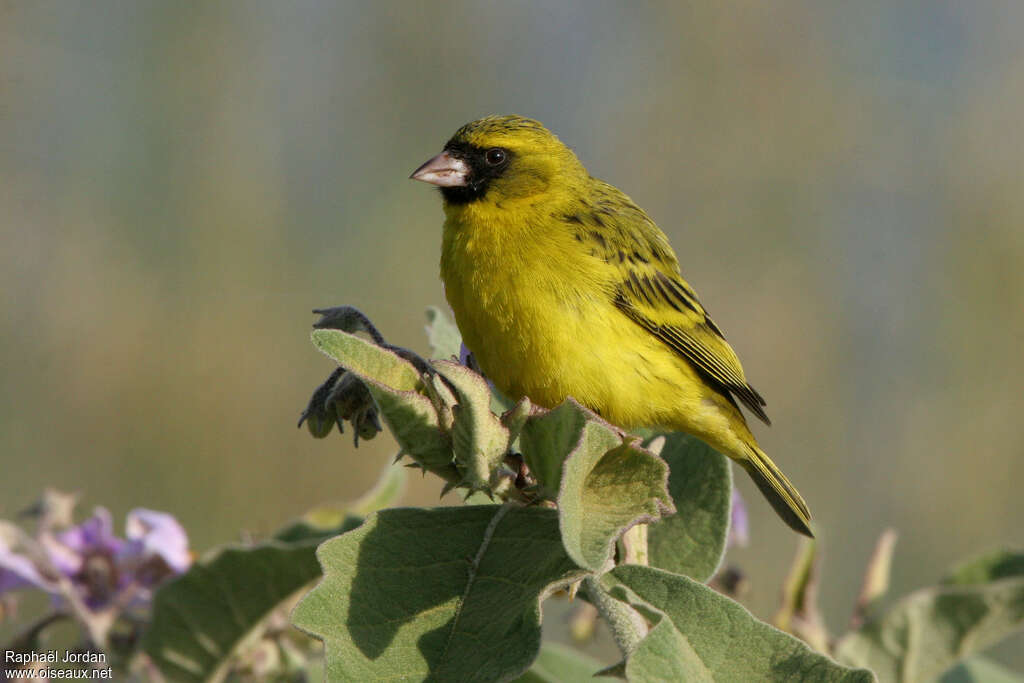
(649,289)
(677,292)
(687,290)
(573,218)
(640,289)
(599,238)
(710,368)
(664,294)
(712,325)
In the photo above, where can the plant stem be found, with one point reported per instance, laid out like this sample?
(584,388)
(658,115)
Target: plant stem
(627,627)
(634,545)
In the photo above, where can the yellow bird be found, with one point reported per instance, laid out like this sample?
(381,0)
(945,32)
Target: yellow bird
(562,286)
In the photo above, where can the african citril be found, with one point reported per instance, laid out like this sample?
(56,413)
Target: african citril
(562,286)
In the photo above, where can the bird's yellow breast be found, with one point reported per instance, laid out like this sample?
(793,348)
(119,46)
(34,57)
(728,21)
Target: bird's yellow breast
(536,309)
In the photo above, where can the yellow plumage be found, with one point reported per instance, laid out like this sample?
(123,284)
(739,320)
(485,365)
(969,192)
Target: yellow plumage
(562,286)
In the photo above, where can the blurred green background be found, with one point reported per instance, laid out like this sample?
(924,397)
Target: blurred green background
(180,183)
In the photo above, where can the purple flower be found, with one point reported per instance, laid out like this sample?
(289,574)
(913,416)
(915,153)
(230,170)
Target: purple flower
(17,571)
(100,568)
(157,534)
(464,354)
(739,529)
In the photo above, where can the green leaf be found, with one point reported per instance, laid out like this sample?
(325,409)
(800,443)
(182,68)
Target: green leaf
(558,663)
(946,623)
(692,542)
(999,564)
(413,422)
(603,485)
(444,337)
(547,439)
(201,618)
(515,418)
(499,402)
(607,486)
(665,655)
(701,635)
(979,670)
(446,593)
(930,630)
(367,360)
(479,439)
(394,384)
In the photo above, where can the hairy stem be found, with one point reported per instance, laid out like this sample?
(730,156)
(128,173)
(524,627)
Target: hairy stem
(627,626)
(634,545)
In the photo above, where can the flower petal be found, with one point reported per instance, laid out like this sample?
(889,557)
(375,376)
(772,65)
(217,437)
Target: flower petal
(739,527)
(18,571)
(158,533)
(93,535)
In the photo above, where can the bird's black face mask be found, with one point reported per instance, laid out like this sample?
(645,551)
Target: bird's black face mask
(485,164)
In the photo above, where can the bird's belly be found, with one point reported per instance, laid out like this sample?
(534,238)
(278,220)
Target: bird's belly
(550,344)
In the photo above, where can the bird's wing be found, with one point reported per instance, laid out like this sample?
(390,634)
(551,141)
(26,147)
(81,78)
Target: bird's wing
(665,307)
(649,289)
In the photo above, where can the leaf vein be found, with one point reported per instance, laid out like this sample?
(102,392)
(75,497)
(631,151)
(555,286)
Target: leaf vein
(471,578)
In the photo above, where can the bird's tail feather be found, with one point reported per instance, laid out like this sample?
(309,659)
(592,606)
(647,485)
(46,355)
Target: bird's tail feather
(782,495)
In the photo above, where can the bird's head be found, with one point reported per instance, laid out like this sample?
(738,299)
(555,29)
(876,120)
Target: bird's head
(499,159)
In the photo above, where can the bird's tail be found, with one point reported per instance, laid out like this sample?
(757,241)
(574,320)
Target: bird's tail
(782,495)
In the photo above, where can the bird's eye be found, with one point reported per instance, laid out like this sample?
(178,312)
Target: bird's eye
(495,156)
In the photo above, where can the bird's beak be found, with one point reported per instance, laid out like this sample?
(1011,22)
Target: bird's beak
(444,170)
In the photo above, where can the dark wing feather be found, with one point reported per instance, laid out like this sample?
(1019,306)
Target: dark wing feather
(651,292)
(702,345)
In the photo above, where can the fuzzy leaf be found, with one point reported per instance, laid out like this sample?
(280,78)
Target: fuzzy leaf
(414,424)
(367,360)
(980,670)
(394,384)
(479,439)
(701,635)
(692,541)
(348,319)
(999,564)
(444,337)
(201,618)
(446,593)
(558,663)
(607,486)
(930,630)
(515,418)
(546,440)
